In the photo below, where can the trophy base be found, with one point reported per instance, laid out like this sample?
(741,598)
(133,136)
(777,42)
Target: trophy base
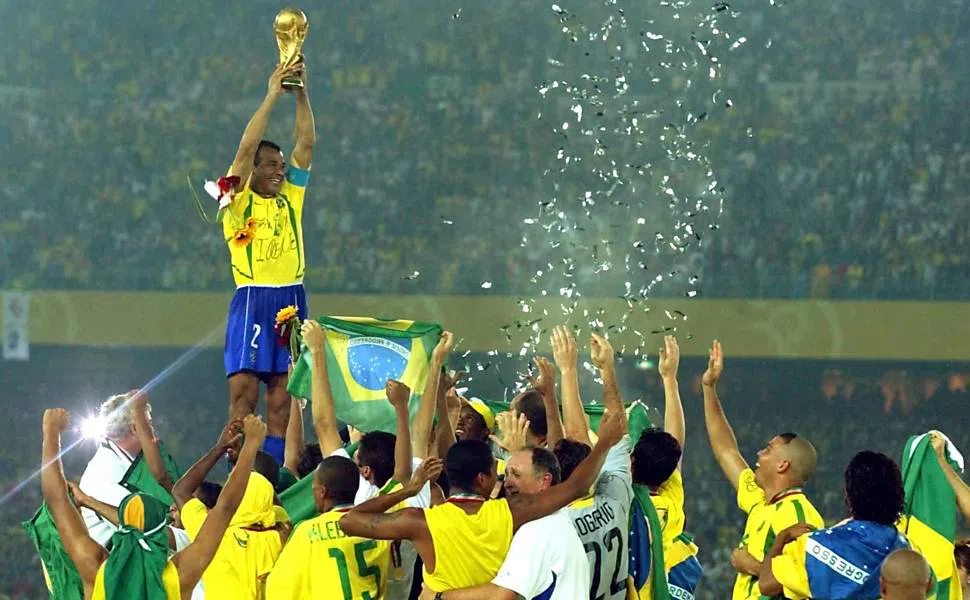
(291,84)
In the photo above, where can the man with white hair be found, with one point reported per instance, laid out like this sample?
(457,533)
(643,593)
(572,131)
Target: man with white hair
(128,430)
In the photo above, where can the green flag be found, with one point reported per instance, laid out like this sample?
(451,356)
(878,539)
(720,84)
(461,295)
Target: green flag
(929,516)
(298,501)
(362,354)
(63,580)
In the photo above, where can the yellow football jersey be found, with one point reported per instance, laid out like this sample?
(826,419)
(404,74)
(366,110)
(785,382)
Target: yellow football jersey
(170,581)
(321,561)
(469,549)
(765,520)
(274,257)
(669,502)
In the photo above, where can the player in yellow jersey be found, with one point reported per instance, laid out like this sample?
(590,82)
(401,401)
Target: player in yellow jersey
(463,542)
(321,560)
(771,494)
(264,231)
(137,568)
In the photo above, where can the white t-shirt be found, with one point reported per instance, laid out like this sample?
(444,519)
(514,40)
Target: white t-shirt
(398,587)
(102,481)
(546,560)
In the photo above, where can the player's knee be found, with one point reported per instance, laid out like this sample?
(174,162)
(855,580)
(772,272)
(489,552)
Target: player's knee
(243,395)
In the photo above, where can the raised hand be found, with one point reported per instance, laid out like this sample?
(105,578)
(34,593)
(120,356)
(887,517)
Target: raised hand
(715,365)
(669,358)
(429,470)
(545,384)
(444,347)
(231,434)
(613,427)
(137,401)
(281,72)
(398,394)
(313,336)
(514,428)
(254,429)
(600,352)
(450,380)
(939,444)
(564,349)
(56,420)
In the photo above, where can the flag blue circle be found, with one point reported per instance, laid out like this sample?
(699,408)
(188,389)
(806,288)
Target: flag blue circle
(372,361)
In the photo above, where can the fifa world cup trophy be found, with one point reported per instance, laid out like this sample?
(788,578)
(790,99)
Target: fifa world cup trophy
(290,27)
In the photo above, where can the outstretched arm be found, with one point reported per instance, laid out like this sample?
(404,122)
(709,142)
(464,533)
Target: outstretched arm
(370,519)
(242,164)
(546,386)
(305,135)
(565,352)
(189,482)
(486,591)
(294,436)
(421,434)
(194,559)
(146,438)
(719,431)
(960,487)
(86,554)
(668,364)
(399,396)
(324,411)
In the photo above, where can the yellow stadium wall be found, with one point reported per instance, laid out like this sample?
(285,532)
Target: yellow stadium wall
(932,331)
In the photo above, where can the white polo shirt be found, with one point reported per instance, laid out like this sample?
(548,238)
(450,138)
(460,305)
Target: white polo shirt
(102,481)
(546,561)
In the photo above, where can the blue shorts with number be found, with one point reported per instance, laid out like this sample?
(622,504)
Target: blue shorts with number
(250,330)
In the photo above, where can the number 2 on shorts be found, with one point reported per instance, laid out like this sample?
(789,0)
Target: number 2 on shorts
(256,329)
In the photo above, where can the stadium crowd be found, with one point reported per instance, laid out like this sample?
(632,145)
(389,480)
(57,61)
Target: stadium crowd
(841,157)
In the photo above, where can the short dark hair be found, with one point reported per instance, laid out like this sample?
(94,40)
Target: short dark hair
(466,460)
(265,144)
(309,459)
(267,466)
(531,405)
(376,450)
(544,462)
(208,493)
(961,552)
(570,453)
(341,478)
(788,436)
(655,457)
(874,488)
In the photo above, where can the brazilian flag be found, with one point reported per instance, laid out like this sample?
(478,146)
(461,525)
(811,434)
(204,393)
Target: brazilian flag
(930,517)
(362,353)
(60,574)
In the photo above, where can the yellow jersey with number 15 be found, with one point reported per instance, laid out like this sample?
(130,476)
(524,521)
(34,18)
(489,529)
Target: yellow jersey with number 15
(321,561)
(273,256)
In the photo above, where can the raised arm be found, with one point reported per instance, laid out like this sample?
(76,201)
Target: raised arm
(546,386)
(601,353)
(194,559)
(305,135)
(960,487)
(444,433)
(294,436)
(324,412)
(138,405)
(723,442)
(566,355)
(673,408)
(242,164)
(399,395)
(102,508)
(529,507)
(86,554)
(421,430)
(189,482)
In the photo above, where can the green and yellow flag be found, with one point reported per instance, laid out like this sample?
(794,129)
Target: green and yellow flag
(362,354)
(60,574)
(930,513)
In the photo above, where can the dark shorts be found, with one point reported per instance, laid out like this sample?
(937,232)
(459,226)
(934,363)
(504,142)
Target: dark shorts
(250,329)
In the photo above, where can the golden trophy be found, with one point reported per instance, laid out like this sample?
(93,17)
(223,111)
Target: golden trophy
(290,27)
